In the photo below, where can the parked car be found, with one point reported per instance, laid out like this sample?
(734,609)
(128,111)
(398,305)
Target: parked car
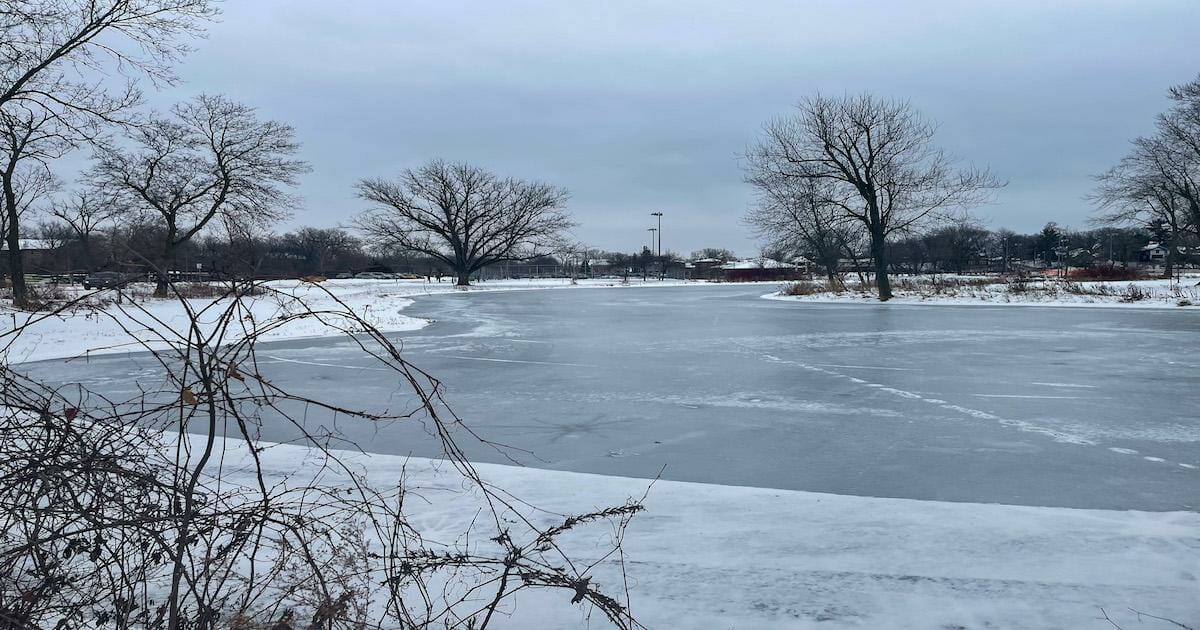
(373,275)
(105,280)
(345,275)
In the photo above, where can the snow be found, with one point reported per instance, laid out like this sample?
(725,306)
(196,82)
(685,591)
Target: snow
(715,556)
(712,556)
(1160,294)
(379,302)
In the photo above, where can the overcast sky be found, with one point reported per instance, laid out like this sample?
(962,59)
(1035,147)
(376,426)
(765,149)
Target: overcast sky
(640,106)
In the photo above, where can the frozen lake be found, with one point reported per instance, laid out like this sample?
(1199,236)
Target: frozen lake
(1075,407)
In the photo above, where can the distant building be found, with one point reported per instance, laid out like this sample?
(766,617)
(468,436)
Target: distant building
(1154,253)
(39,255)
(763,269)
(703,269)
(599,266)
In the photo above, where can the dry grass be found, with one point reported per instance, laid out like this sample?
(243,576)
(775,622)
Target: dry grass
(810,287)
(41,297)
(143,291)
(1013,288)
(804,287)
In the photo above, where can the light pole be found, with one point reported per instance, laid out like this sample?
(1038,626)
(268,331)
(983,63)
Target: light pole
(649,252)
(662,266)
(659,215)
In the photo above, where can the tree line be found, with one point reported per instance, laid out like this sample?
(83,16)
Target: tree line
(856,177)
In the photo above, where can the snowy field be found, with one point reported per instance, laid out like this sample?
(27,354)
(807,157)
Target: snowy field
(710,555)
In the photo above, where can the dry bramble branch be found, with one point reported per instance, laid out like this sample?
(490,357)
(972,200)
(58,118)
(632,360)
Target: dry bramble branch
(135,513)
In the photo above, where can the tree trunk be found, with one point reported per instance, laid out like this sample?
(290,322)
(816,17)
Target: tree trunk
(830,262)
(85,246)
(464,279)
(168,256)
(16,264)
(1169,261)
(161,286)
(879,256)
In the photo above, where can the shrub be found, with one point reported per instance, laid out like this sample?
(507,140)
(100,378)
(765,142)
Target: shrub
(803,287)
(1134,293)
(1075,288)
(1018,285)
(1106,272)
(193,290)
(42,297)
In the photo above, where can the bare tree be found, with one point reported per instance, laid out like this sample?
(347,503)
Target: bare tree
(1176,149)
(797,215)
(954,246)
(713,253)
(29,140)
(84,212)
(878,158)
(211,158)
(1147,189)
(49,47)
(319,246)
(57,60)
(464,216)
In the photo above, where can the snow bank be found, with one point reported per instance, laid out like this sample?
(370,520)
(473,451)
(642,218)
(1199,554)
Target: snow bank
(710,556)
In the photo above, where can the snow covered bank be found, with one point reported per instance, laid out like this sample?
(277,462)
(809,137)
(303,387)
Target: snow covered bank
(379,302)
(1041,292)
(709,556)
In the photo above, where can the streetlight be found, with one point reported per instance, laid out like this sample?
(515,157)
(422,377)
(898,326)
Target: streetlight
(662,266)
(650,251)
(659,215)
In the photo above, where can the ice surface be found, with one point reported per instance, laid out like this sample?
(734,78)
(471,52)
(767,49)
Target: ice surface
(710,556)
(718,386)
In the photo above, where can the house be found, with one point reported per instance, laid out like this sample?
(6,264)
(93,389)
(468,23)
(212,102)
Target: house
(1154,253)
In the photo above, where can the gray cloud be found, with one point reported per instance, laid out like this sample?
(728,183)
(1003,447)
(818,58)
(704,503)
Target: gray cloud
(638,106)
